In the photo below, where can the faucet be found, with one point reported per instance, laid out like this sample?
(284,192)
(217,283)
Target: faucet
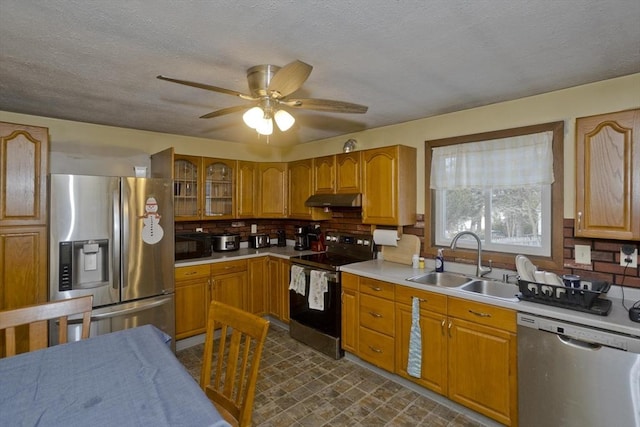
(480,270)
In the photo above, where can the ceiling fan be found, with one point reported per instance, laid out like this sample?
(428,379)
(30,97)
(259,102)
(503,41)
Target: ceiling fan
(269,88)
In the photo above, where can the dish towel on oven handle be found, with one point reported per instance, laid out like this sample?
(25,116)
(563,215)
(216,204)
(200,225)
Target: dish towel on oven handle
(297,282)
(318,286)
(414,364)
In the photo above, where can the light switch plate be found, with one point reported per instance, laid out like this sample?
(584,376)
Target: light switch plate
(583,254)
(633,256)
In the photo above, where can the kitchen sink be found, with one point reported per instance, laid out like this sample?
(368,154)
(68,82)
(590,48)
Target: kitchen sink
(492,288)
(449,280)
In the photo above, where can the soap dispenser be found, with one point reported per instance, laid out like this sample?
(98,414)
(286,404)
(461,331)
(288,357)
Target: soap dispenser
(439,262)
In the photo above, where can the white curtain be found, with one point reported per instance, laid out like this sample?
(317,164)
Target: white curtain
(507,162)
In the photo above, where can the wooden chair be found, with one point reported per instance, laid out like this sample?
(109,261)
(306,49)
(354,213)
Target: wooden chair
(37,316)
(237,358)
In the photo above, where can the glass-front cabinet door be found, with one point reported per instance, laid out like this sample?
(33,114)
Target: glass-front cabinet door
(219,187)
(186,187)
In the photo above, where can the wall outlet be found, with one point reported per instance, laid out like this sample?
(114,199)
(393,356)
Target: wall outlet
(625,256)
(583,254)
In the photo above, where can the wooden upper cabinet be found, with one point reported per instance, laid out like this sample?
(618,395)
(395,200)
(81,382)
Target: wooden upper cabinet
(389,186)
(272,194)
(300,189)
(187,176)
(338,174)
(246,189)
(348,173)
(23,174)
(608,176)
(324,172)
(218,188)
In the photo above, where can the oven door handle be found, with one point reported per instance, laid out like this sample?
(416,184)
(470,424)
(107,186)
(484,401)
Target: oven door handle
(330,275)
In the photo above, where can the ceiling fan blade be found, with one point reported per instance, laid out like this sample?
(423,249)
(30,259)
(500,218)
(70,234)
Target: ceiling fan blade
(326,105)
(208,87)
(289,79)
(224,111)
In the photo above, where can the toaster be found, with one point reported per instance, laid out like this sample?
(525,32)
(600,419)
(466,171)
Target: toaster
(259,241)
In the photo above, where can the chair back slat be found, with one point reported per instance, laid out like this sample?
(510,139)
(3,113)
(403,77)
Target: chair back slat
(37,317)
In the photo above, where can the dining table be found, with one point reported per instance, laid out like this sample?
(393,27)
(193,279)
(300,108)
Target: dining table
(125,378)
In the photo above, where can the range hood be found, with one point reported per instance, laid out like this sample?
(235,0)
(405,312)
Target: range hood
(335,200)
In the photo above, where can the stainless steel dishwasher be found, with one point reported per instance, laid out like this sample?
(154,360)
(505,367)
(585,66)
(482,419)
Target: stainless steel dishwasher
(572,375)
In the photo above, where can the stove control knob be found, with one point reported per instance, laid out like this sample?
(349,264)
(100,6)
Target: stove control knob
(366,243)
(359,242)
(327,238)
(334,238)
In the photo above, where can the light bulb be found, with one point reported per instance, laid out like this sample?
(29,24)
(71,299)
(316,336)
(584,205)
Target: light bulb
(253,117)
(284,120)
(265,127)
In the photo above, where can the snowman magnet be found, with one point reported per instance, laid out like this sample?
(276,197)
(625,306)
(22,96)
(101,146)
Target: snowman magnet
(152,231)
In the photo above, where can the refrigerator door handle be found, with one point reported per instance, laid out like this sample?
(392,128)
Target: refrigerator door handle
(117,224)
(133,309)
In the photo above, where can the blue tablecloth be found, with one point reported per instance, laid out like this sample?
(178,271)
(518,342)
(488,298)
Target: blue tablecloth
(126,378)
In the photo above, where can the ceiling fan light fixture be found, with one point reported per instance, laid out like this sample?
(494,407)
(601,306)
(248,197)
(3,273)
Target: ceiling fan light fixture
(284,120)
(253,117)
(265,127)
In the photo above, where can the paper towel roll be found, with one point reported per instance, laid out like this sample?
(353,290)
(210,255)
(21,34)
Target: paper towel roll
(385,237)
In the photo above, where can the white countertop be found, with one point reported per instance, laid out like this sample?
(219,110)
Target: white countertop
(617,320)
(243,253)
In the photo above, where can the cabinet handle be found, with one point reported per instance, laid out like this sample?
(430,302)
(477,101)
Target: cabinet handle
(374,349)
(580,220)
(191,273)
(450,325)
(374,314)
(442,326)
(375,288)
(479,314)
(419,299)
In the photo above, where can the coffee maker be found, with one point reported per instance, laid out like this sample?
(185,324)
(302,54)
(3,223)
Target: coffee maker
(301,238)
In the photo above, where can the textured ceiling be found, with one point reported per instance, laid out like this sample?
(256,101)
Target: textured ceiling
(96,61)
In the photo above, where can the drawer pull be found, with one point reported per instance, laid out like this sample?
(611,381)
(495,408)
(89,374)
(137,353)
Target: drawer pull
(374,314)
(191,273)
(375,349)
(479,314)
(375,288)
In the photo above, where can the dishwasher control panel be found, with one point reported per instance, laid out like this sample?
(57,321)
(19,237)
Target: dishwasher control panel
(580,333)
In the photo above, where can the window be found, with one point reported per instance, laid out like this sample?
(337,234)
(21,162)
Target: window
(505,186)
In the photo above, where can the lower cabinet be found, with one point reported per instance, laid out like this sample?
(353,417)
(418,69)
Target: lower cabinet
(192,299)
(257,285)
(229,283)
(469,349)
(279,288)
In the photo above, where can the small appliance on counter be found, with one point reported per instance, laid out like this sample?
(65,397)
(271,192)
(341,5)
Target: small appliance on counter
(226,242)
(301,238)
(316,240)
(259,241)
(282,238)
(190,245)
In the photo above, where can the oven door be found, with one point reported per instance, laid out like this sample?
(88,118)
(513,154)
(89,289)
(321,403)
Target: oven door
(328,320)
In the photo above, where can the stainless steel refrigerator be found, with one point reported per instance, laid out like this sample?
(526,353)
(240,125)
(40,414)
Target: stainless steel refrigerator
(113,238)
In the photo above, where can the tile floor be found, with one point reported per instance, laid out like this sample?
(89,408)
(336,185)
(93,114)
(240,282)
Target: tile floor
(299,387)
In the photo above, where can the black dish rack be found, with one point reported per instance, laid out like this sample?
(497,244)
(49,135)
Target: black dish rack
(585,300)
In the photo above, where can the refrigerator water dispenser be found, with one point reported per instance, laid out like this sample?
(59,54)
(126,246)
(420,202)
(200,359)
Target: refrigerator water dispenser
(83,264)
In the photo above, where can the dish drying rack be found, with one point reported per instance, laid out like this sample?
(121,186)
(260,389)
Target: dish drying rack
(586,299)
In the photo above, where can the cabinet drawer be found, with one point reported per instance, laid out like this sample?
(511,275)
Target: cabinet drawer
(428,300)
(192,272)
(377,288)
(349,281)
(483,314)
(377,314)
(376,348)
(228,267)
